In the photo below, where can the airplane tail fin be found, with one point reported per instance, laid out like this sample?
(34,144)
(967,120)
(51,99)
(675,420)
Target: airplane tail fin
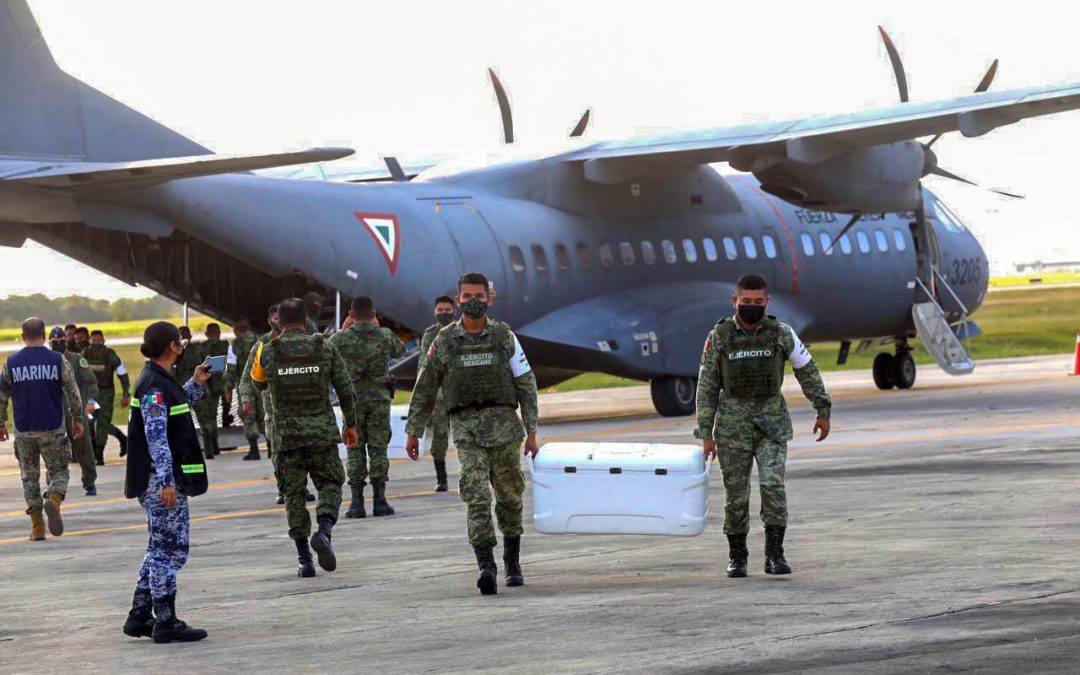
(44,112)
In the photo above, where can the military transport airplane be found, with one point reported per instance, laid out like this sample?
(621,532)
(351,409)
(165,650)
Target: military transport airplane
(612,256)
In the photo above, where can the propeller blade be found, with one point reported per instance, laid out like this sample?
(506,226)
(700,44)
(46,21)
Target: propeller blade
(850,224)
(579,128)
(897,64)
(983,85)
(938,171)
(504,107)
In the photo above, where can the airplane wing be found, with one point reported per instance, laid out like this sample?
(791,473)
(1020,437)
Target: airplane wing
(94,174)
(817,138)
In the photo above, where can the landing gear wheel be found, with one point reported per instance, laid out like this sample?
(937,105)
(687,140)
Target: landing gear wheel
(674,396)
(883,371)
(903,370)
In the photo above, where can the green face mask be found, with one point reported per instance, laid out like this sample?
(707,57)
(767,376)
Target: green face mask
(444,318)
(474,308)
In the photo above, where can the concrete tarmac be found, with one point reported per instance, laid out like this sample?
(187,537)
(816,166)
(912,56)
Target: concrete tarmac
(936,529)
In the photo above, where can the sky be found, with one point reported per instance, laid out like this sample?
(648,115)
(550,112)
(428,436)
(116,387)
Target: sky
(409,79)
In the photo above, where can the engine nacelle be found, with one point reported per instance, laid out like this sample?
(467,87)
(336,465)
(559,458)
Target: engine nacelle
(874,179)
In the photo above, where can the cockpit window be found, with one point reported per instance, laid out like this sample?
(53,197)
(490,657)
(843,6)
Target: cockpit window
(947,218)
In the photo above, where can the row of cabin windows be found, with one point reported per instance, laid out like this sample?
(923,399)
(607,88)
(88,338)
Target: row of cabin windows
(669,251)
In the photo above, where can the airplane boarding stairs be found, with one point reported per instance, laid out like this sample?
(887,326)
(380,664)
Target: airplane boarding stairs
(941,339)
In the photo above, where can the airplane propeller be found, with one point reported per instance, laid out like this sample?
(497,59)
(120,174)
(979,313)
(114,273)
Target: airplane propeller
(579,128)
(508,118)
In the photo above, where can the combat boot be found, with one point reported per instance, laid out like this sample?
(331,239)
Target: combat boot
(52,512)
(37,525)
(737,555)
(91,491)
(280,499)
(253,451)
(320,541)
(774,551)
(168,627)
(440,475)
(310,496)
(140,620)
(511,558)
(120,436)
(356,509)
(379,505)
(99,457)
(207,445)
(306,566)
(214,443)
(487,582)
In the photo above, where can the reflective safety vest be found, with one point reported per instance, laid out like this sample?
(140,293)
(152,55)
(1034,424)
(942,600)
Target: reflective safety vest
(751,365)
(478,373)
(189,467)
(299,373)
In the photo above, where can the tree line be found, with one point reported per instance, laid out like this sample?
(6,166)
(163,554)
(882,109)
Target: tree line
(80,309)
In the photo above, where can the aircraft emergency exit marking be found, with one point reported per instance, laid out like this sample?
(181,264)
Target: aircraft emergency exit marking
(383,228)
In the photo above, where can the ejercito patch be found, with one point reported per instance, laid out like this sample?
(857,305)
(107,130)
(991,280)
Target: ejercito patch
(476,360)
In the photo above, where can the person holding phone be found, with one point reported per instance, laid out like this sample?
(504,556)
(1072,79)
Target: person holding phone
(164,467)
(213,349)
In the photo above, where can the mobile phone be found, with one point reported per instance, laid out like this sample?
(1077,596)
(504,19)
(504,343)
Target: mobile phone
(216,363)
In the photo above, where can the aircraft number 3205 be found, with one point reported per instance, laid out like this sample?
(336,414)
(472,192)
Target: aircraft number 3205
(966,270)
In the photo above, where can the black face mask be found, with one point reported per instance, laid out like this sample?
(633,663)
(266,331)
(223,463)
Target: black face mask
(60,346)
(444,318)
(751,314)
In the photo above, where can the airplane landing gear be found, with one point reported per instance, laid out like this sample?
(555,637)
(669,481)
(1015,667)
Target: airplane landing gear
(895,370)
(674,396)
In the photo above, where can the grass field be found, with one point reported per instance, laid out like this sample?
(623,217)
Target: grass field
(116,328)
(1036,279)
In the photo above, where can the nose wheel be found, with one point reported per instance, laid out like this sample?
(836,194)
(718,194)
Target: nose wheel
(894,370)
(674,396)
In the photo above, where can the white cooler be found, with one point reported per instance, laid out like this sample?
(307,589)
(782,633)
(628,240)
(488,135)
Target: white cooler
(396,450)
(620,488)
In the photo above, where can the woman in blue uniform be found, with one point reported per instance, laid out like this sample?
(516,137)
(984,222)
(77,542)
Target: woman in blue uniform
(164,467)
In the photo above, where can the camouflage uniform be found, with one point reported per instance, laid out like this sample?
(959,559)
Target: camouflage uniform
(83,448)
(487,437)
(748,417)
(259,399)
(367,349)
(105,362)
(439,423)
(206,408)
(297,370)
(241,348)
(31,447)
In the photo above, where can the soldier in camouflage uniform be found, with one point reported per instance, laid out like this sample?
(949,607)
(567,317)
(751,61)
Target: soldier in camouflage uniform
(438,423)
(206,408)
(239,350)
(742,416)
(298,369)
(484,376)
(82,449)
(40,384)
(105,362)
(367,350)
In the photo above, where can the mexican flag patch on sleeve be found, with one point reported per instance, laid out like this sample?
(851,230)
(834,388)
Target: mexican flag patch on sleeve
(153,398)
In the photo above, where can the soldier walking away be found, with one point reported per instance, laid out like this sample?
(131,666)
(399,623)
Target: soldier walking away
(41,385)
(164,468)
(105,363)
(484,376)
(239,351)
(206,409)
(298,369)
(367,349)
(438,423)
(743,419)
(82,448)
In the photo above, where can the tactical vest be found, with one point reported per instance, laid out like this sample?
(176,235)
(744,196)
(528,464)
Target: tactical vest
(37,391)
(751,366)
(189,468)
(98,358)
(76,361)
(478,374)
(300,376)
(371,370)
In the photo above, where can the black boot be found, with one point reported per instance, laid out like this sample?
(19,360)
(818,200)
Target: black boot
(320,541)
(379,505)
(487,582)
(356,509)
(253,452)
(214,443)
(440,475)
(207,445)
(168,627)
(310,496)
(91,491)
(140,620)
(774,551)
(120,436)
(306,566)
(99,457)
(269,450)
(280,498)
(737,555)
(511,558)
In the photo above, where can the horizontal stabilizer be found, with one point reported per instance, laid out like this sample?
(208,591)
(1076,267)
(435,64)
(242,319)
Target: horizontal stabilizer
(152,171)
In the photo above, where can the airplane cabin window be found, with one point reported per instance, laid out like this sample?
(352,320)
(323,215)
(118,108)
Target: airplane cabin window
(562,256)
(540,260)
(607,258)
(626,251)
(882,241)
(864,241)
(807,244)
(648,253)
(769,244)
(729,248)
(749,247)
(517,259)
(825,240)
(583,256)
(710,249)
(670,256)
(898,239)
(689,250)
(845,244)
